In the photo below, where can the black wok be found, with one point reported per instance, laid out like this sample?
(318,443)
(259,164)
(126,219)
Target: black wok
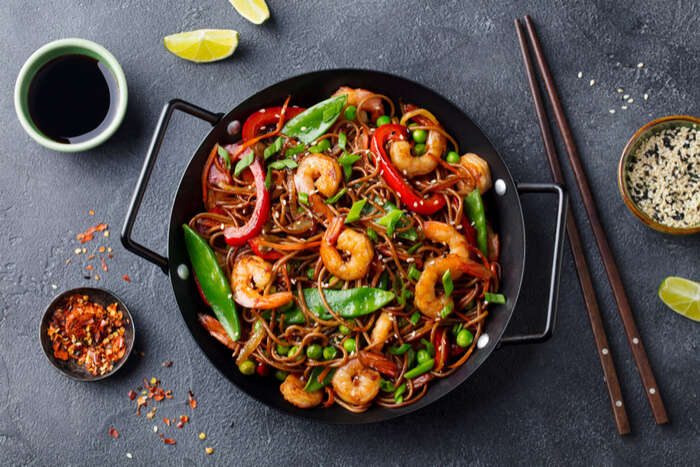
(504,212)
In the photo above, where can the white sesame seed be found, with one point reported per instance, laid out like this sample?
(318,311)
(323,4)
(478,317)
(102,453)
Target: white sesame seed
(54,286)
(155,429)
(612,111)
(592,82)
(410,259)
(623,107)
(646,96)
(620,91)
(128,454)
(630,100)
(626,96)
(459,227)
(640,65)
(580,74)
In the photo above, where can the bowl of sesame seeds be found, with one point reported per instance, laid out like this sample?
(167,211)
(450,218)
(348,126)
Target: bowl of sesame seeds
(659,174)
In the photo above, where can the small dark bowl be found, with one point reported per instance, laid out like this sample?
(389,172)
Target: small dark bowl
(69,367)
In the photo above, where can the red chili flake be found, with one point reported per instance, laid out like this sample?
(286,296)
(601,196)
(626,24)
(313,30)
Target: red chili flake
(87,235)
(168,394)
(166,421)
(151,413)
(104,265)
(89,267)
(168,441)
(193,402)
(114,432)
(126,277)
(183,419)
(132,395)
(168,363)
(140,402)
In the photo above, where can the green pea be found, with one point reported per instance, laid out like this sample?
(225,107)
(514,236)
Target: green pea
(247,367)
(419,149)
(419,136)
(323,145)
(349,345)
(383,120)
(465,338)
(351,112)
(422,356)
(314,352)
(344,330)
(281,375)
(329,353)
(282,349)
(452,157)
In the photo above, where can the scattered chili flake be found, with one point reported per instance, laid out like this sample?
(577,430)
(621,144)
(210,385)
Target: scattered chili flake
(110,256)
(168,441)
(140,402)
(151,413)
(92,213)
(114,432)
(91,257)
(132,395)
(193,402)
(126,277)
(168,394)
(168,363)
(104,265)
(68,261)
(102,249)
(166,420)
(88,333)
(89,267)
(97,278)
(88,234)
(209,450)
(183,419)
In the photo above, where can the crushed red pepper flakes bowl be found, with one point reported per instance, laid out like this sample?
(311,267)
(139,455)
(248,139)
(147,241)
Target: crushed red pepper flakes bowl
(70,367)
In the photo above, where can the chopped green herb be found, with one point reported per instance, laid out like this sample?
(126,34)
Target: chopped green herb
(447,310)
(268,179)
(390,220)
(372,234)
(294,150)
(398,394)
(310,273)
(386,386)
(428,346)
(347,161)
(355,211)
(413,272)
(336,196)
(495,298)
(223,153)
(342,140)
(304,198)
(412,250)
(244,162)
(399,350)
(274,148)
(283,164)
(415,317)
(447,283)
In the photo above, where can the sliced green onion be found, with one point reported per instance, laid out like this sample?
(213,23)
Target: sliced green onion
(383,281)
(398,394)
(336,196)
(447,310)
(355,211)
(244,162)
(310,274)
(386,386)
(347,161)
(274,148)
(495,298)
(412,250)
(424,367)
(303,198)
(283,164)
(390,220)
(399,350)
(428,346)
(414,317)
(342,140)
(447,283)
(268,179)
(372,234)
(413,272)
(410,357)
(223,153)
(294,150)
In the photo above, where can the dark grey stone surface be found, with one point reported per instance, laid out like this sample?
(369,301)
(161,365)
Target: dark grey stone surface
(543,404)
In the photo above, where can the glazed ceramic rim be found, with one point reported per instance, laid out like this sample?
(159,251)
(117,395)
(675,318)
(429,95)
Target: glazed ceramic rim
(643,132)
(48,52)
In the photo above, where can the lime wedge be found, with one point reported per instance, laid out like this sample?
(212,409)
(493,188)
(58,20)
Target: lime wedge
(682,296)
(203,45)
(255,11)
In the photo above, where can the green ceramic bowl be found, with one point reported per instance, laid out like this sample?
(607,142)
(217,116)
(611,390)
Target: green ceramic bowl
(54,50)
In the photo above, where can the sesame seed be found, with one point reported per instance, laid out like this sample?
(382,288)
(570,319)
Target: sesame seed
(77,251)
(106,234)
(620,91)
(626,96)
(84,250)
(202,436)
(630,100)
(580,74)
(128,454)
(155,429)
(646,96)
(640,65)
(592,82)
(612,111)
(623,107)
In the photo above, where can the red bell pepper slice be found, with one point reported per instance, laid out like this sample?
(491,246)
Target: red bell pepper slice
(260,250)
(262,369)
(441,348)
(238,236)
(201,292)
(265,117)
(393,132)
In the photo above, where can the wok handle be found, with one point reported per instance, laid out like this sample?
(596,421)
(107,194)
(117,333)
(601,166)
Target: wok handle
(552,300)
(162,126)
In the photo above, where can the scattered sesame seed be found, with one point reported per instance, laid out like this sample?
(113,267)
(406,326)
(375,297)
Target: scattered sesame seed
(612,111)
(620,90)
(623,107)
(106,234)
(592,82)
(202,436)
(154,380)
(640,65)
(54,286)
(109,250)
(68,261)
(84,250)
(97,278)
(626,96)
(77,251)
(128,454)
(155,429)
(630,100)
(580,74)
(646,96)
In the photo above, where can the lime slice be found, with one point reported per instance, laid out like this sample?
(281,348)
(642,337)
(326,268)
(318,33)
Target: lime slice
(682,296)
(255,11)
(203,45)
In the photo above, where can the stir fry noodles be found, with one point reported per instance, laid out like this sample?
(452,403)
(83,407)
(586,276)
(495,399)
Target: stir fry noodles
(344,250)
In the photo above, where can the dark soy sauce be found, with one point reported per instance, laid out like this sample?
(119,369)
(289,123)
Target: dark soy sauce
(72,98)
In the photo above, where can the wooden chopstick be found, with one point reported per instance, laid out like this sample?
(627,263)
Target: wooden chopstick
(584,274)
(634,339)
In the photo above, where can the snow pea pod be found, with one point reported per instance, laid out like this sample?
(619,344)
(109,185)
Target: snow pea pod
(314,121)
(475,211)
(213,282)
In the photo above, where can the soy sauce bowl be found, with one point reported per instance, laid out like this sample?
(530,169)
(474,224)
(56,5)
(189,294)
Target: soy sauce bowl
(70,367)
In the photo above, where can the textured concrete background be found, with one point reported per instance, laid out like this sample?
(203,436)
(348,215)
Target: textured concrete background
(543,404)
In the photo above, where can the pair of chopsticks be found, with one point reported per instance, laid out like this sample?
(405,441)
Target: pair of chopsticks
(624,310)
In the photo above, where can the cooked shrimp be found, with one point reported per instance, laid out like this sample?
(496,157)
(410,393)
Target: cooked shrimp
(292,390)
(412,166)
(250,276)
(382,328)
(357,244)
(445,233)
(355,96)
(217,331)
(355,383)
(318,171)
(480,171)
(427,301)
